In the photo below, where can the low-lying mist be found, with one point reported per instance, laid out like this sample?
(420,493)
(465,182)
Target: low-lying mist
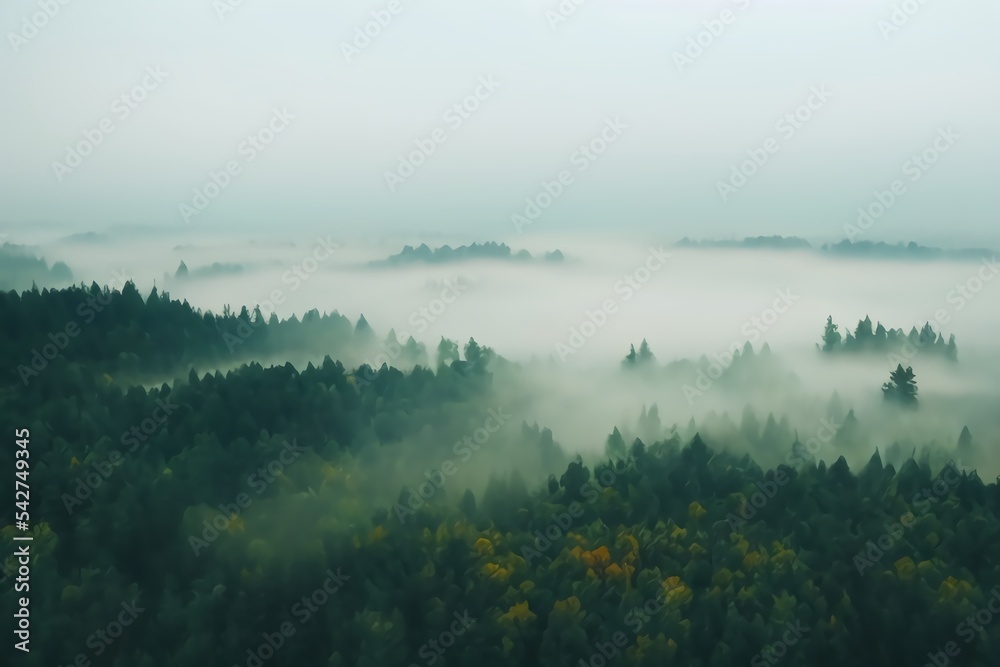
(568,326)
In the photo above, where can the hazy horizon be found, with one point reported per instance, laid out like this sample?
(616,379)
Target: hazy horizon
(281,310)
(225,69)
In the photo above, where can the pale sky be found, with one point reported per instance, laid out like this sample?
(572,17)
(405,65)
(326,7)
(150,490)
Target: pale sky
(558,85)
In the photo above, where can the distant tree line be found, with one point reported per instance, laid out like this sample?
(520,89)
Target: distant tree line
(865,338)
(444,254)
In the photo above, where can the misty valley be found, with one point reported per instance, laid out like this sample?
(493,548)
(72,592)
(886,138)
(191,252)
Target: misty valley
(442,456)
(511,334)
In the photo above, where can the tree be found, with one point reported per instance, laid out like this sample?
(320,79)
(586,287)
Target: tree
(952,350)
(749,425)
(447,351)
(881,335)
(473,352)
(863,333)
(363,330)
(479,356)
(615,446)
(629,359)
(902,386)
(831,336)
(965,442)
(927,335)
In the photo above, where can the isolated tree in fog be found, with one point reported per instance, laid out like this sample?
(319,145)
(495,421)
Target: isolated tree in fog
(643,357)
(831,336)
(902,386)
(965,442)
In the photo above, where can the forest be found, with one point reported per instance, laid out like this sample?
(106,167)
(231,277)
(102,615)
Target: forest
(198,501)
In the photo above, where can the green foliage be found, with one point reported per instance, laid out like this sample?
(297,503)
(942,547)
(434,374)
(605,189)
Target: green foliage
(902,386)
(697,555)
(890,341)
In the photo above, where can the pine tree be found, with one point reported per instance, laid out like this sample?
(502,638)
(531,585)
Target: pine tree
(645,356)
(863,333)
(881,335)
(902,386)
(363,330)
(615,447)
(831,336)
(630,358)
(965,442)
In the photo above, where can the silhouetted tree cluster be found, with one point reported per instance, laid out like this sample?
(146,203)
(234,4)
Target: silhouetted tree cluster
(865,338)
(121,332)
(491,250)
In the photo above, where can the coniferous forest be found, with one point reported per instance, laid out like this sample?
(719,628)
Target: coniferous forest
(409,513)
(438,333)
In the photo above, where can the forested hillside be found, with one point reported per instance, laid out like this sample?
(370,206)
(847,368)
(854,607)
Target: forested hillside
(410,513)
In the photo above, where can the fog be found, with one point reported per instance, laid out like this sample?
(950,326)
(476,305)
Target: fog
(568,325)
(357,114)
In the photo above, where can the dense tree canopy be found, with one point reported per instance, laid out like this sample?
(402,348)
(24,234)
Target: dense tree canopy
(218,506)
